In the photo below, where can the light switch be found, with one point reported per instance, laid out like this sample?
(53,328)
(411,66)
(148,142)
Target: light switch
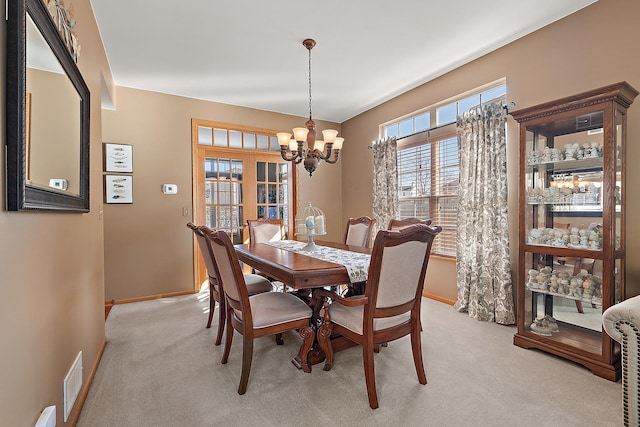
(169,188)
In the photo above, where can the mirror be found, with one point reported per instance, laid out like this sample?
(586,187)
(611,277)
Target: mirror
(47,116)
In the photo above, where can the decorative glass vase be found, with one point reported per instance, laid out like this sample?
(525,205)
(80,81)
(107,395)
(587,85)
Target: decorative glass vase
(310,222)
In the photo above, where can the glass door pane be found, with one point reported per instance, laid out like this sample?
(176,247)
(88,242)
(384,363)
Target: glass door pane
(223,196)
(272,186)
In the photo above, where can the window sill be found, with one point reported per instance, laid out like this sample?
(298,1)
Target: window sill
(446,258)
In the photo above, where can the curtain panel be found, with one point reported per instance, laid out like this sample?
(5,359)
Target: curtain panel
(484,281)
(385,182)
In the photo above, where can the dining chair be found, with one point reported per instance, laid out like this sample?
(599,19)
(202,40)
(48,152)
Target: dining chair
(263,230)
(256,284)
(399,224)
(390,307)
(358,231)
(270,313)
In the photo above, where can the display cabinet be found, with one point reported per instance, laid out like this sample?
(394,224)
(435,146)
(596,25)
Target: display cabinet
(571,231)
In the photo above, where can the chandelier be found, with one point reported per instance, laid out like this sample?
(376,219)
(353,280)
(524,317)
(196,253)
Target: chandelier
(292,148)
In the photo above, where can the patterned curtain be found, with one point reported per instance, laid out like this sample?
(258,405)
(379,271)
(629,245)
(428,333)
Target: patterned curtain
(483,269)
(385,182)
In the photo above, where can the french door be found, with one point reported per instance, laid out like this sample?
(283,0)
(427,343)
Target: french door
(232,185)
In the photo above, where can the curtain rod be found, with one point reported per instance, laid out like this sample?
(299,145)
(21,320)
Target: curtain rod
(506,105)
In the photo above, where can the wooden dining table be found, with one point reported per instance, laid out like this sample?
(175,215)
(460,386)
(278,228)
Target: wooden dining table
(303,273)
(297,270)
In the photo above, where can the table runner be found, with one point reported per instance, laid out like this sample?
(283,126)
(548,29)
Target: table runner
(357,264)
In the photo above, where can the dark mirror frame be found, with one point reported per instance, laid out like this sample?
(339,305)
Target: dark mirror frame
(20,195)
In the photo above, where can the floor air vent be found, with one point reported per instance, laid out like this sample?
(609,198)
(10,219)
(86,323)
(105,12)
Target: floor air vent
(72,385)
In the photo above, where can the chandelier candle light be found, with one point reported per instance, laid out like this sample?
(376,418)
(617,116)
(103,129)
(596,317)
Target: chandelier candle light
(292,148)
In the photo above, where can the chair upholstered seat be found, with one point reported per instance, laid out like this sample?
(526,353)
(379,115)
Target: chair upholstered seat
(352,318)
(257,284)
(271,308)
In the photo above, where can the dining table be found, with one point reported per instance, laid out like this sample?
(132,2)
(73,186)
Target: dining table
(305,271)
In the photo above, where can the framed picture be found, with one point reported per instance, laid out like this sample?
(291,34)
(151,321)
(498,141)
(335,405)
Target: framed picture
(118,157)
(118,188)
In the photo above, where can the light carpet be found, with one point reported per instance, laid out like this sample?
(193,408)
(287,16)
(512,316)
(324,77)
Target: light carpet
(160,368)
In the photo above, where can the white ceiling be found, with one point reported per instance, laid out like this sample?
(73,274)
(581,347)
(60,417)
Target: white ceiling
(250,53)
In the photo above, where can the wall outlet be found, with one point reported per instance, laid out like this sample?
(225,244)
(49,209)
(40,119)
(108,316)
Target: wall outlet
(185,211)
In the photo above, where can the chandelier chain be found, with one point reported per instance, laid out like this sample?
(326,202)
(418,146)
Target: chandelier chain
(309,84)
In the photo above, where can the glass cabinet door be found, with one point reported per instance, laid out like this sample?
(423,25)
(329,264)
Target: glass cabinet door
(563,211)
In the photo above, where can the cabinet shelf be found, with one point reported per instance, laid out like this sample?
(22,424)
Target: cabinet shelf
(571,257)
(555,294)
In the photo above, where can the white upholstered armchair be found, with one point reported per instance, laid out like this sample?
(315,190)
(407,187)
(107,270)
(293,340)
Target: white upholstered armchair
(622,323)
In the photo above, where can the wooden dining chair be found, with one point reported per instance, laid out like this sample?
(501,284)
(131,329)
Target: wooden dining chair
(259,315)
(390,307)
(399,224)
(265,230)
(255,284)
(359,231)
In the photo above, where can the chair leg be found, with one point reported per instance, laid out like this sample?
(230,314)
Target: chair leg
(222,314)
(324,338)
(247,355)
(416,347)
(369,374)
(308,335)
(324,341)
(228,339)
(579,307)
(212,306)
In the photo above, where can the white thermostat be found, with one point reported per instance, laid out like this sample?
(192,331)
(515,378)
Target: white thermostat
(169,189)
(60,184)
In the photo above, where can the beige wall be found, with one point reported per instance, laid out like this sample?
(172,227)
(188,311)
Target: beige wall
(148,248)
(51,272)
(594,47)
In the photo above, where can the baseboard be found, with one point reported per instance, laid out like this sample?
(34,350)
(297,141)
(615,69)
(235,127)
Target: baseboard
(437,298)
(110,303)
(75,413)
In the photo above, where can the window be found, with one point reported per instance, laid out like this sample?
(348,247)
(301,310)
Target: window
(210,135)
(428,176)
(429,162)
(447,113)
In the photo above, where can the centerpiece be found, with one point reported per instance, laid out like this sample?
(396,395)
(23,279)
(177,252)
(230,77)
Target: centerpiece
(310,222)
